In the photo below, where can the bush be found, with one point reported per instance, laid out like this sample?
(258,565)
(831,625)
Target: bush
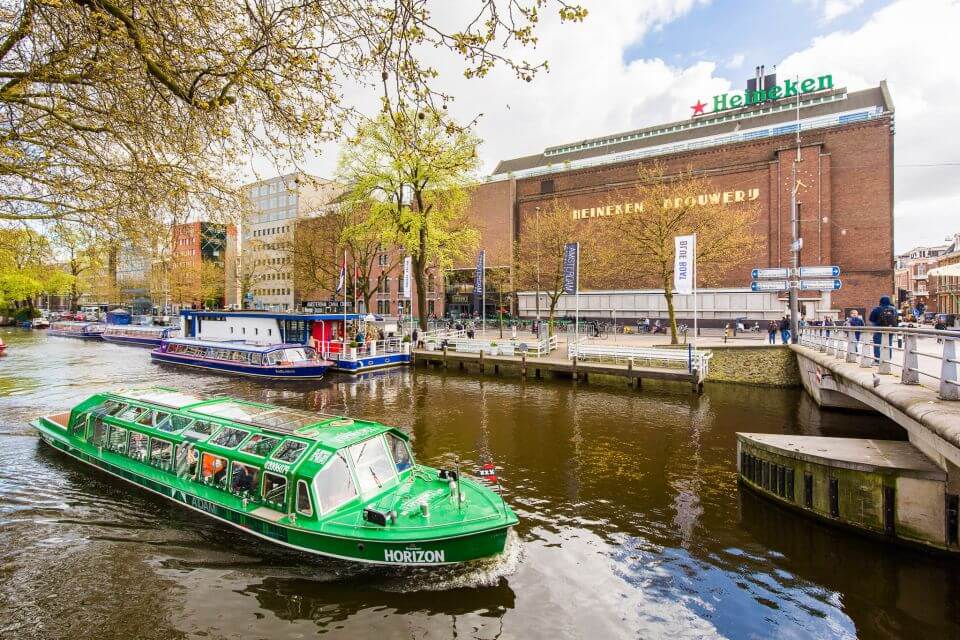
(406,338)
(354,344)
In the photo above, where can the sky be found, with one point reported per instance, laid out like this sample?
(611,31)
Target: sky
(636,63)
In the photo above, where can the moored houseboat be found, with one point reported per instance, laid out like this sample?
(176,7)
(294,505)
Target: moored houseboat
(77,329)
(140,335)
(332,335)
(323,484)
(284,360)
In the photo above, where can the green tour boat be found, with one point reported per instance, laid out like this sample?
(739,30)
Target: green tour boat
(323,484)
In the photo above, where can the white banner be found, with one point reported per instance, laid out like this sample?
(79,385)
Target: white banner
(685,252)
(407,262)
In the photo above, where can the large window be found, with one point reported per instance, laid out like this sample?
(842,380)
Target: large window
(132,413)
(155,419)
(244,479)
(117,441)
(229,437)
(373,465)
(161,453)
(175,424)
(78,429)
(260,445)
(400,452)
(213,470)
(199,430)
(138,446)
(290,450)
(334,483)
(274,489)
(304,504)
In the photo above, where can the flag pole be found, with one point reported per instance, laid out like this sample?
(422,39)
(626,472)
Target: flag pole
(694,289)
(576,326)
(344,272)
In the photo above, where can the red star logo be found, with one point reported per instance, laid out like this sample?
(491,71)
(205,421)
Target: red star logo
(698,108)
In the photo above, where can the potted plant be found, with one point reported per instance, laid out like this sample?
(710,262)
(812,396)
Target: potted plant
(492,349)
(353,349)
(406,344)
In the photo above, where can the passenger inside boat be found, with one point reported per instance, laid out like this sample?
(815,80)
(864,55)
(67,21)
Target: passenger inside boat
(214,469)
(244,478)
(138,446)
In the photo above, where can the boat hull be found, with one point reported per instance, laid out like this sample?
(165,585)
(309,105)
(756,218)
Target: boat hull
(370,363)
(422,552)
(130,340)
(314,372)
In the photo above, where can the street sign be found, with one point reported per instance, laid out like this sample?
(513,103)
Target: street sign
(769,285)
(819,272)
(760,274)
(796,245)
(820,285)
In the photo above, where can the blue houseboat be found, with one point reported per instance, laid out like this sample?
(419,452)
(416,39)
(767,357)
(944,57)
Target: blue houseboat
(139,335)
(74,329)
(284,360)
(324,332)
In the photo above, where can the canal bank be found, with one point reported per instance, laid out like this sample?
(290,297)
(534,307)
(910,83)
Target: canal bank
(628,503)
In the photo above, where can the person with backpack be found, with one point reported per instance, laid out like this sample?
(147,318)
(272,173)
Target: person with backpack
(772,332)
(784,329)
(882,315)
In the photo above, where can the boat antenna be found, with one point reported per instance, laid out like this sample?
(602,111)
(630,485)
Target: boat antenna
(459,494)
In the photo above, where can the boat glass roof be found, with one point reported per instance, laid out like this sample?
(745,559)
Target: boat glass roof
(269,418)
(165,397)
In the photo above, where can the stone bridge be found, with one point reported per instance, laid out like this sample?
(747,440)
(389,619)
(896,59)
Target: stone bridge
(905,491)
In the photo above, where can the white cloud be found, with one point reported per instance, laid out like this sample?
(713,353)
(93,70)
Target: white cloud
(735,61)
(925,96)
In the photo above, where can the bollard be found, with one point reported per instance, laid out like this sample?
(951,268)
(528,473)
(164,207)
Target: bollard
(444,356)
(630,372)
(949,384)
(574,368)
(865,359)
(523,366)
(909,374)
(481,360)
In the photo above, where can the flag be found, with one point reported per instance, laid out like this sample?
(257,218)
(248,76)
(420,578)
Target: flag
(571,268)
(478,282)
(407,264)
(685,255)
(343,275)
(488,473)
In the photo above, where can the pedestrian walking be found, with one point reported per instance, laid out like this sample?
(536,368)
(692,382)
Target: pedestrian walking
(784,327)
(856,321)
(772,332)
(882,315)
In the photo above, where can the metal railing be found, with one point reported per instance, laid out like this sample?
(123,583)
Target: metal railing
(337,350)
(504,347)
(689,358)
(918,354)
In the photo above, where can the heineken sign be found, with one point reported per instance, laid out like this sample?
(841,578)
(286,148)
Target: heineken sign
(788,89)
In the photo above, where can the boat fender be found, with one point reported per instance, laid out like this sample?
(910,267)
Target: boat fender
(373,516)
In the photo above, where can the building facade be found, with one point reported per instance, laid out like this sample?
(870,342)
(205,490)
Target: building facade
(195,276)
(263,275)
(912,268)
(845,195)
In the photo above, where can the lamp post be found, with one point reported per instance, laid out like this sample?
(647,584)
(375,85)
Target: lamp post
(538,264)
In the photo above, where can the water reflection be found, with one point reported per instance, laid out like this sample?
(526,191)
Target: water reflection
(632,521)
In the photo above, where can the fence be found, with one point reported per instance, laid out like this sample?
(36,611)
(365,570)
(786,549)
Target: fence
(918,354)
(337,350)
(495,346)
(689,358)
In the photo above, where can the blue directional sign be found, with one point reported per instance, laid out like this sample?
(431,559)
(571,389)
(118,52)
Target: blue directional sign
(820,272)
(769,285)
(820,285)
(780,273)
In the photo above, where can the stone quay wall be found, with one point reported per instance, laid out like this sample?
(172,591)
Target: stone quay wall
(771,366)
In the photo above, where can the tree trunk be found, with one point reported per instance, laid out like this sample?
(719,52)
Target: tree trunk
(668,294)
(419,279)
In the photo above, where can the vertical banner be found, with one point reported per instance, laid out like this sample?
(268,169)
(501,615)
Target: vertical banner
(571,268)
(407,262)
(478,282)
(685,251)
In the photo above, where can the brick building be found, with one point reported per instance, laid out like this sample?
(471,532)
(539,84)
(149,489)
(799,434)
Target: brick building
(196,275)
(747,153)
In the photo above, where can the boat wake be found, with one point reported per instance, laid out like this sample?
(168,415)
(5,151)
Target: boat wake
(479,573)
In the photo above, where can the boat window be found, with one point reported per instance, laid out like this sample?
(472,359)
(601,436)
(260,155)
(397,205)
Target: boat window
(271,358)
(400,452)
(213,470)
(304,505)
(372,464)
(229,437)
(244,479)
(187,458)
(256,358)
(79,427)
(289,451)
(298,355)
(334,483)
(154,419)
(138,446)
(132,413)
(199,430)
(98,435)
(161,453)
(110,408)
(175,424)
(260,445)
(117,441)
(274,488)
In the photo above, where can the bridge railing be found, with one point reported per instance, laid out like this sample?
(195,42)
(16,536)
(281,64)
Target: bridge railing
(917,354)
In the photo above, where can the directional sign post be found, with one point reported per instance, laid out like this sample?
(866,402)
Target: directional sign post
(778,273)
(820,272)
(820,285)
(769,285)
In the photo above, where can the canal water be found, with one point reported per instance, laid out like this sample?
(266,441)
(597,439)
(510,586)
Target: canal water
(632,524)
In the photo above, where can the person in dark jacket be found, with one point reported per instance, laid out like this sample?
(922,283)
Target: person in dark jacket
(772,332)
(855,321)
(882,315)
(784,326)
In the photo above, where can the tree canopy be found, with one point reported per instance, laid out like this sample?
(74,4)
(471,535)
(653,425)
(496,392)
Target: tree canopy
(118,110)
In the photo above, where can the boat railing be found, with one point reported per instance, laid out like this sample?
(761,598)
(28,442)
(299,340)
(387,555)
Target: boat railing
(507,346)
(339,350)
